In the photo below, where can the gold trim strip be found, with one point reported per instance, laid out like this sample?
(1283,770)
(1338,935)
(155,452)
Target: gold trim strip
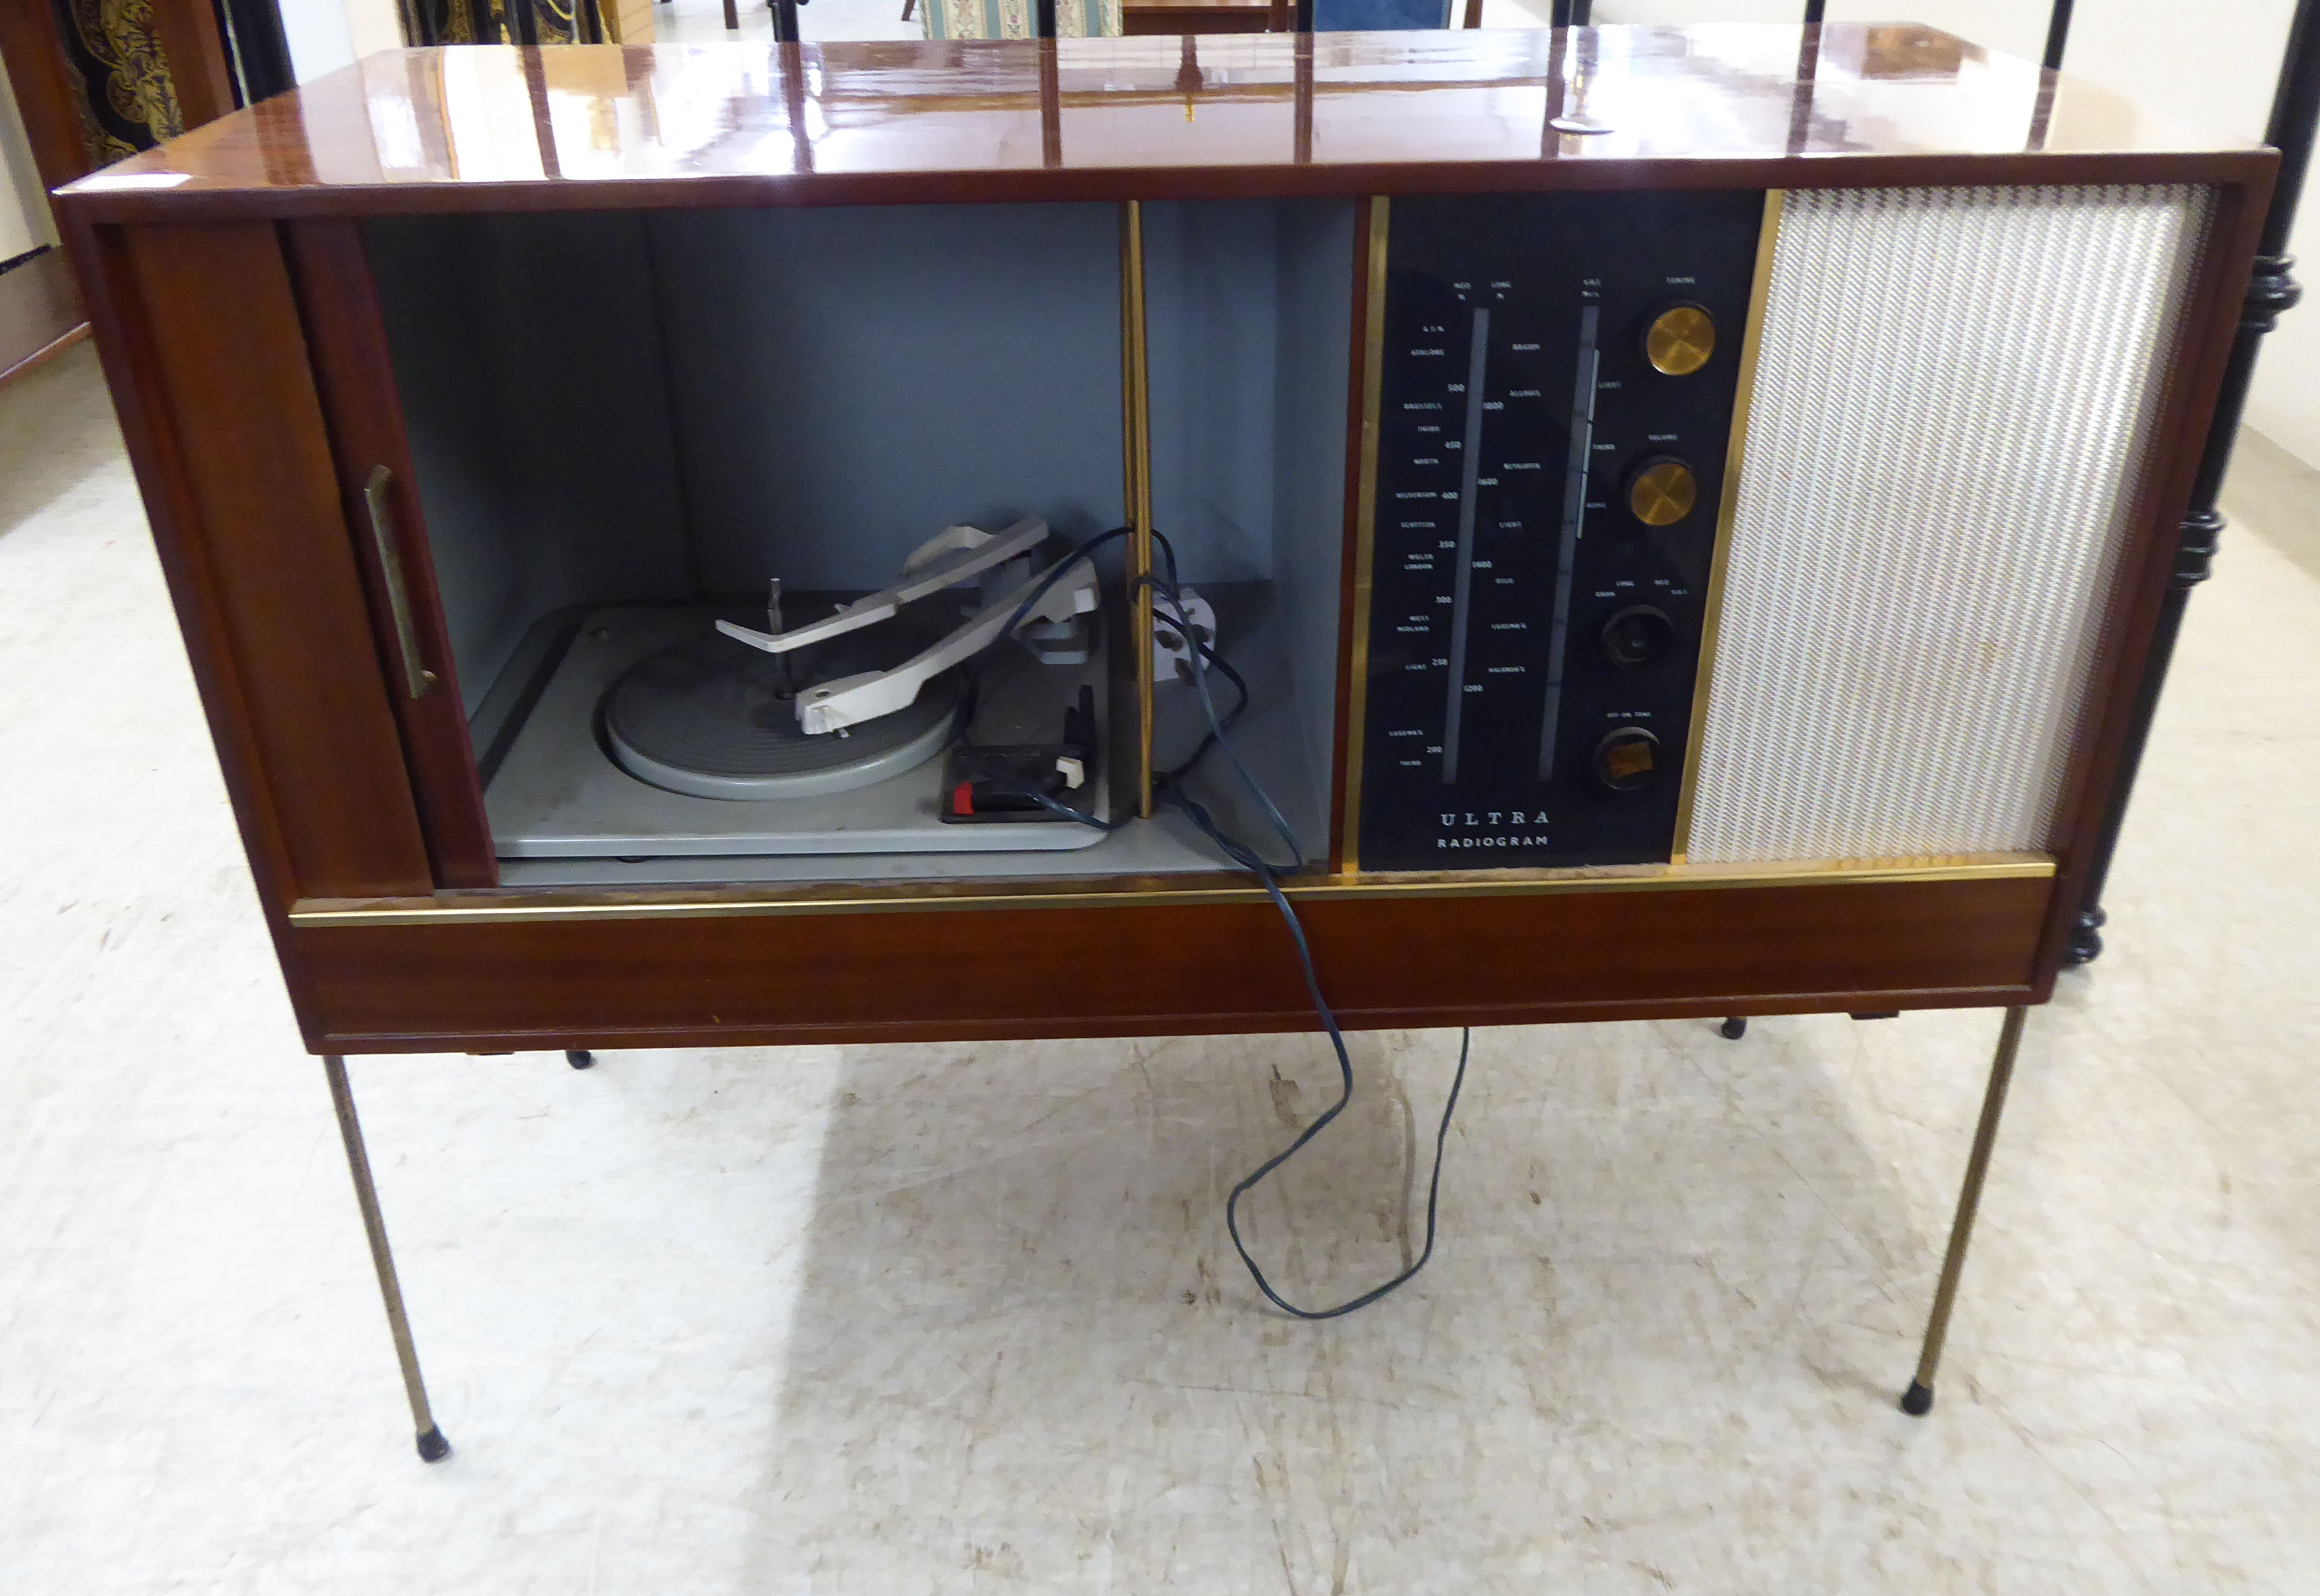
(1136,449)
(1357,687)
(1727,503)
(1155,892)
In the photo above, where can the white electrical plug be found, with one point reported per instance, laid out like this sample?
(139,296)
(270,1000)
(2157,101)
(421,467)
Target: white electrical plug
(1172,655)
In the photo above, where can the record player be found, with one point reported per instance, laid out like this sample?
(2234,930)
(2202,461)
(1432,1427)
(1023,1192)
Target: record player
(959,709)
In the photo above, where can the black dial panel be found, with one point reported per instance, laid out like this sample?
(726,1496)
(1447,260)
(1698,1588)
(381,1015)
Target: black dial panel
(1545,518)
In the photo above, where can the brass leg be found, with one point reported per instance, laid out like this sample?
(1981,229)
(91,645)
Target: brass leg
(1920,1398)
(432,1447)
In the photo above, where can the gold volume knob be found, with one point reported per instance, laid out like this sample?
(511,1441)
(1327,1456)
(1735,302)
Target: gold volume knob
(1661,491)
(1679,339)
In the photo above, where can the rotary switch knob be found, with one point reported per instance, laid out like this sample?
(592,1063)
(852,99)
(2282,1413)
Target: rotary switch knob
(1636,636)
(1627,760)
(1662,491)
(1679,339)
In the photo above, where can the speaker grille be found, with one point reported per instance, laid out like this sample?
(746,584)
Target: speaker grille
(1953,393)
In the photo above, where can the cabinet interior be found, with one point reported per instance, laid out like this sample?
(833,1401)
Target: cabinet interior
(633,408)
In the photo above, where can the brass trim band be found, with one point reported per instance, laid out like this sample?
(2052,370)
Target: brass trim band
(1136,459)
(1728,504)
(1357,655)
(1156,892)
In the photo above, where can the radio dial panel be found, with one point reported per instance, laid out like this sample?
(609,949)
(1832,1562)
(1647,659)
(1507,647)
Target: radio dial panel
(1555,406)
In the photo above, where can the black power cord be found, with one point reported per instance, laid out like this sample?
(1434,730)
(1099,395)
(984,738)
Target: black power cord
(1168,788)
(1255,864)
(969,698)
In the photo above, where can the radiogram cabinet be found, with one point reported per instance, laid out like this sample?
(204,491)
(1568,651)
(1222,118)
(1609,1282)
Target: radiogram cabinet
(1690,505)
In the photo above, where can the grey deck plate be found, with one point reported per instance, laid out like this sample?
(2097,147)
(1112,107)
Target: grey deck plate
(559,795)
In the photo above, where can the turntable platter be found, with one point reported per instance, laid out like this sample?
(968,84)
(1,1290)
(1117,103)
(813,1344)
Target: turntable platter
(712,718)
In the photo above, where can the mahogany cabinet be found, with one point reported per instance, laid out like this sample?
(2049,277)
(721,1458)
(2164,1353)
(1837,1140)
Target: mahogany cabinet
(485,257)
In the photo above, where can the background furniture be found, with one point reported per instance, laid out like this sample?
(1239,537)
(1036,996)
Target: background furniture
(1205,16)
(1021,19)
(95,84)
(511,22)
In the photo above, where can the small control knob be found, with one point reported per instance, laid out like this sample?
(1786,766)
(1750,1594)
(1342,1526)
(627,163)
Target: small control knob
(1662,491)
(1679,339)
(1638,635)
(1627,760)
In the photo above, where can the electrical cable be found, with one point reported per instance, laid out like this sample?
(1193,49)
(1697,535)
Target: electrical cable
(1257,865)
(1168,788)
(970,694)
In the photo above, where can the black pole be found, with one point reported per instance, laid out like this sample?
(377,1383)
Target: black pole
(1813,11)
(790,56)
(1304,16)
(1558,13)
(1051,103)
(535,84)
(260,50)
(1550,141)
(1301,149)
(1800,98)
(1043,19)
(2058,34)
(785,21)
(2295,111)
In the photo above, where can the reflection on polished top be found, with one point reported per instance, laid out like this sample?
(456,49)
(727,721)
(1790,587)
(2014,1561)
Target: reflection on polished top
(1217,114)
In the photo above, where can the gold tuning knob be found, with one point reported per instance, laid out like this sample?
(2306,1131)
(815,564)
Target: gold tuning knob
(1679,339)
(1661,491)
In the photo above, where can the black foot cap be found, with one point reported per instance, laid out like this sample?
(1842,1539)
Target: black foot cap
(1732,1029)
(433,1447)
(579,1058)
(2085,939)
(1917,1401)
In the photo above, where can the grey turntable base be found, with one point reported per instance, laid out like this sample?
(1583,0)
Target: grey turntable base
(558,794)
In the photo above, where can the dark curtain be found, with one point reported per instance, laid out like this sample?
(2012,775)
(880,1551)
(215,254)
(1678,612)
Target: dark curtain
(119,84)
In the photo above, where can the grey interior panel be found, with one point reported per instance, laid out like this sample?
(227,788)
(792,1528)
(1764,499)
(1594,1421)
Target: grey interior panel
(1212,284)
(1310,440)
(832,414)
(530,373)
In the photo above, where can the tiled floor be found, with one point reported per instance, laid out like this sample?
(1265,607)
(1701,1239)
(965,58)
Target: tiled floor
(962,1319)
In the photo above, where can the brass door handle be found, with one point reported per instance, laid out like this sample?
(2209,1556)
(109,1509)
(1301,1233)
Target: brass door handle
(416,676)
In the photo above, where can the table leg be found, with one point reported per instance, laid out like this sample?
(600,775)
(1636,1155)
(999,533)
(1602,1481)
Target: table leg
(1918,1399)
(432,1447)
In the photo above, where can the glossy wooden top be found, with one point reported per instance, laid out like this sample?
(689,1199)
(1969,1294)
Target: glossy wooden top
(491,128)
